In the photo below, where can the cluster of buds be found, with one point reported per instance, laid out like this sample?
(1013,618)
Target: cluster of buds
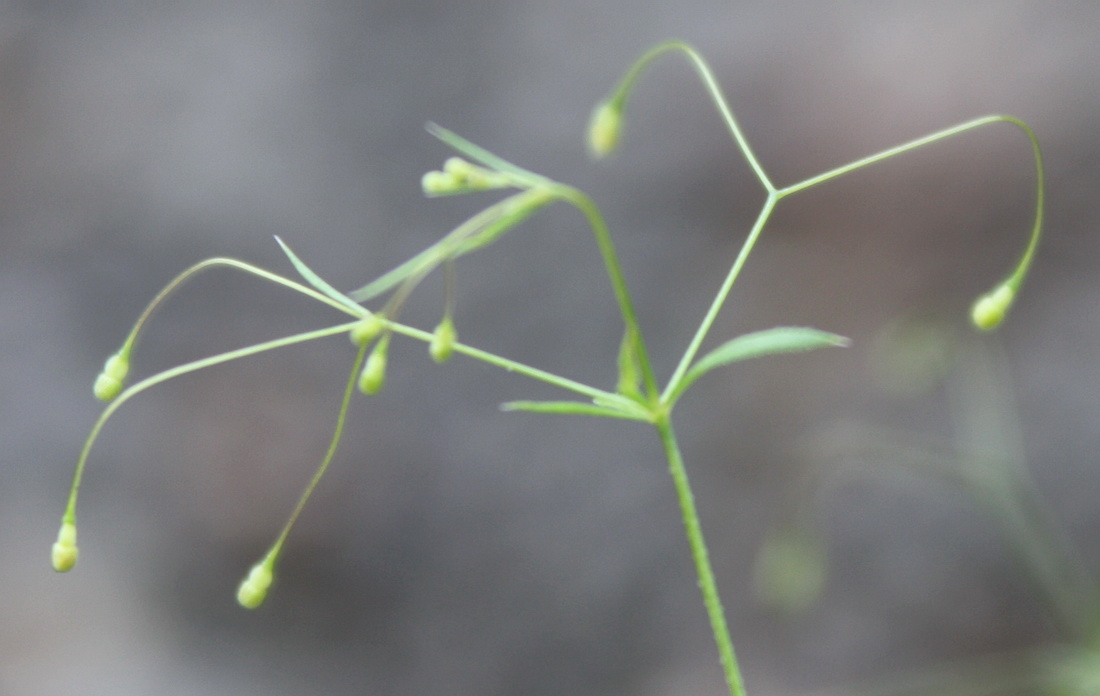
(459,176)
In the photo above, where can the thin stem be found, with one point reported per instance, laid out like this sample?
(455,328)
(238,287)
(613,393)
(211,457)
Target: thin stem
(622,94)
(719,299)
(708,587)
(512,365)
(134,390)
(1017,277)
(615,273)
(897,150)
(337,434)
(137,388)
(180,279)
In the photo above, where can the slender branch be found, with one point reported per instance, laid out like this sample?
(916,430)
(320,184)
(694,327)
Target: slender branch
(719,299)
(137,388)
(180,279)
(615,273)
(896,150)
(622,94)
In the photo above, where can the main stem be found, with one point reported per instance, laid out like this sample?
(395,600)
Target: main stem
(694,531)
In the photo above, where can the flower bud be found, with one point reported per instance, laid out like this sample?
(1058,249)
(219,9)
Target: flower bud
(459,168)
(436,183)
(364,332)
(460,176)
(990,309)
(64,549)
(373,376)
(443,341)
(110,381)
(253,588)
(604,128)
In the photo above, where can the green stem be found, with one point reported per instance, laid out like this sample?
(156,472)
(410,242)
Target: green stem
(622,94)
(511,365)
(615,273)
(707,584)
(719,299)
(186,275)
(912,145)
(330,453)
(137,388)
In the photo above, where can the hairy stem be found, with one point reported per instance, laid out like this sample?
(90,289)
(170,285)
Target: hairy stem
(707,584)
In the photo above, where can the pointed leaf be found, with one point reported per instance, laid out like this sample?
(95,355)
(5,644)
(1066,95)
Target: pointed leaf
(480,230)
(317,281)
(781,339)
(428,258)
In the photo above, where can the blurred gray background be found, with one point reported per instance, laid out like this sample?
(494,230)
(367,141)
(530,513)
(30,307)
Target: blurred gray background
(452,548)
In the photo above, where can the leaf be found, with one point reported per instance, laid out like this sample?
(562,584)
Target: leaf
(578,408)
(317,281)
(429,258)
(776,341)
(478,231)
(630,374)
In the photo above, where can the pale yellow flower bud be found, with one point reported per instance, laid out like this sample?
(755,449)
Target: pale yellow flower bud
(110,381)
(64,552)
(373,376)
(990,309)
(443,341)
(604,128)
(437,183)
(364,332)
(253,589)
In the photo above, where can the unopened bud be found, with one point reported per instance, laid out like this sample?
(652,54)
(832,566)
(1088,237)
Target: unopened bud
(990,309)
(364,332)
(64,551)
(373,376)
(459,168)
(436,183)
(460,176)
(110,381)
(443,341)
(604,128)
(253,589)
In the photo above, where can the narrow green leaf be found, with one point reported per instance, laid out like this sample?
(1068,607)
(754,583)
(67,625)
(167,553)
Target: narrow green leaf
(578,408)
(478,231)
(424,260)
(510,212)
(317,281)
(779,340)
(630,374)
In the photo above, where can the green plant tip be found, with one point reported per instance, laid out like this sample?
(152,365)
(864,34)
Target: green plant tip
(604,128)
(111,380)
(459,168)
(64,551)
(253,589)
(443,341)
(461,176)
(990,309)
(365,331)
(436,183)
